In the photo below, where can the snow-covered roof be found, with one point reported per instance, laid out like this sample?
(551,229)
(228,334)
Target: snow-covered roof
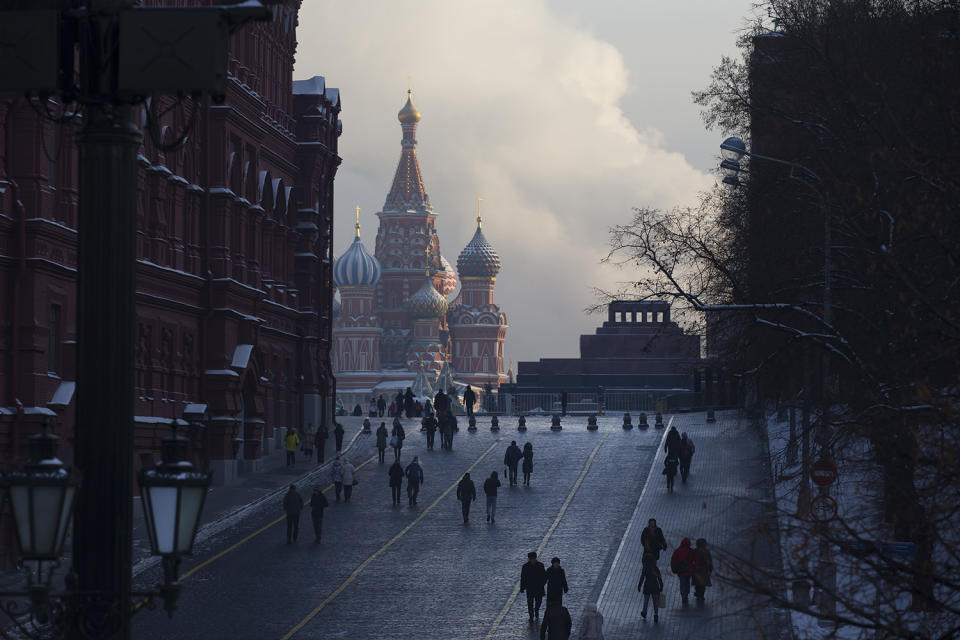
(64,394)
(195,408)
(241,356)
(314,86)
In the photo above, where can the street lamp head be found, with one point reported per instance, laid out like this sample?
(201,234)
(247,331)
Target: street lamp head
(173,494)
(731,172)
(42,496)
(732,149)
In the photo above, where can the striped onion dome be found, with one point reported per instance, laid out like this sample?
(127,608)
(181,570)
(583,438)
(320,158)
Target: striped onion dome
(427,301)
(449,282)
(356,267)
(478,259)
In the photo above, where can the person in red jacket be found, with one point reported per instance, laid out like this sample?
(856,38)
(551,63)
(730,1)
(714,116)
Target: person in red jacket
(684,563)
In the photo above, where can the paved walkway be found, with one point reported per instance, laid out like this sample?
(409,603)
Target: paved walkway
(721,501)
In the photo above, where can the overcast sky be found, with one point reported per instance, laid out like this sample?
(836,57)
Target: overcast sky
(561,114)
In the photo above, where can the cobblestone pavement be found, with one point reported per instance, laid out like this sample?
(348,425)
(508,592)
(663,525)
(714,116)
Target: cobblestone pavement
(722,502)
(399,573)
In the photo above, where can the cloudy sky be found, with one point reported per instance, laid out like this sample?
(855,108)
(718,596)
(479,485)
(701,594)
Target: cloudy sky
(561,114)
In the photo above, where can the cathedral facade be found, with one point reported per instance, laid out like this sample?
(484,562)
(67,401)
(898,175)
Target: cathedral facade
(402,321)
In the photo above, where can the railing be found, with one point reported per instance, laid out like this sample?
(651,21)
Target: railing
(606,401)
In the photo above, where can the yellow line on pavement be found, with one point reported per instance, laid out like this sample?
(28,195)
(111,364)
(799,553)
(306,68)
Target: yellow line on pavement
(546,538)
(356,572)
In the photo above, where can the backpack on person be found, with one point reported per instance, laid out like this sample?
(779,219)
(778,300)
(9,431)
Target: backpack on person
(680,566)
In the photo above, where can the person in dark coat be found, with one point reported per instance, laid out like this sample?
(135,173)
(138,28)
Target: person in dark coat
(556,622)
(399,401)
(292,505)
(701,575)
(381,406)
(672,444)
(396,438)
(430,424)
(338,434)
(320,442)
(652,539)
(670,466)
(408,402)
(469,399)
(686,455)
(445,428)
(427,407)
(318,502)
(396,480)
(511,459)
(440,402)
(490,486)
(466,493)
(382,440)
(532,579)
(527,463)
(684,563)
(556,582)
(651,584)
(414,475)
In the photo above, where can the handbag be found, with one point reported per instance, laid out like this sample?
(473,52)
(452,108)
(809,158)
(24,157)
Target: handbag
(661,601)
(393,440)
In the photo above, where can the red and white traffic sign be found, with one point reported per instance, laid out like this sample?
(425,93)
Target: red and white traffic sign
(823,508)
(823,472)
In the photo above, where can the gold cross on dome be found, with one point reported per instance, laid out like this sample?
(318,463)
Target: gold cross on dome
(479,219)
(357,225)
(428,259)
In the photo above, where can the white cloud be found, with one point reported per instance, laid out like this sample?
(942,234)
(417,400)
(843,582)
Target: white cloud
(519,106)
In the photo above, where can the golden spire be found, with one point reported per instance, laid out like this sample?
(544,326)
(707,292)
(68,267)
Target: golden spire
(479,219)
(357,225)
(428,261)
(409,84)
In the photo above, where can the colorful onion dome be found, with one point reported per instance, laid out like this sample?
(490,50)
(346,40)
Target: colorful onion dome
(409,113)
(356,267)
(449,282)
(427,301)
(478,259)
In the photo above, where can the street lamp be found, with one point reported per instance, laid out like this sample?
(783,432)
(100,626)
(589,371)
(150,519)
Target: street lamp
(41,500)
(732,150)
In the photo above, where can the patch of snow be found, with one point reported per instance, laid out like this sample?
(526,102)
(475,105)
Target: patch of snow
(241,356)
(221,372)
(64,394)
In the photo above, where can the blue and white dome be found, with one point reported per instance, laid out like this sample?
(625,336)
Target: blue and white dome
(356,267)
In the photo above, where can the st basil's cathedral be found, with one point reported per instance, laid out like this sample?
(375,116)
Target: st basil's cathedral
(401,321)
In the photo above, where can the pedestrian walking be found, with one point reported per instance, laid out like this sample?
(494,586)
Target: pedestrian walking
(338,435)
(320,441)
(684,564)
(651,584)
(430,424)
(292,505)
(490,486)
(670,470)
(290,443)
(701,575)
(672,444)
(318,502)
(414,475)
(466,493)
(556,582)
(446,431)
(527,463)
(408,402)
(686,455)
(591,623)
(469,399)
(382,441)
(652,539)
(511,459)
(349,479)
(396,438)
(557,623)
(396,480)
(441,403)
(533,577)
(427,407)
(381,406)
(336,475)
(308,438)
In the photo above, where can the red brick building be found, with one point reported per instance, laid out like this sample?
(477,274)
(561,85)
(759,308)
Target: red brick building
(234,281)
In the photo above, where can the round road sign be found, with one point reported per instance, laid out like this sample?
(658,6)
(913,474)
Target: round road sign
(823,508)
(823,472)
